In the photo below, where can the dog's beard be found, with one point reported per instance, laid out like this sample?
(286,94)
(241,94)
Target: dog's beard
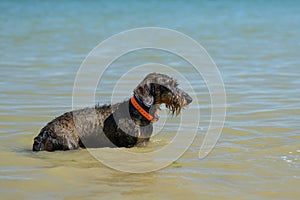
(174,108)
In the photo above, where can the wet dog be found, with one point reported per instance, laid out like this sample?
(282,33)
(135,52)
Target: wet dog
(123,124)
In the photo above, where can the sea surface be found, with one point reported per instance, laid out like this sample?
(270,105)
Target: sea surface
(254,44)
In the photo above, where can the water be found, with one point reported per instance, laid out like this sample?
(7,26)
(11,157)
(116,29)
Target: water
(256,47)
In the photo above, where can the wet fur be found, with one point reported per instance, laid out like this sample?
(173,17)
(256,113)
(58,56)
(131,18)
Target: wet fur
(118,125)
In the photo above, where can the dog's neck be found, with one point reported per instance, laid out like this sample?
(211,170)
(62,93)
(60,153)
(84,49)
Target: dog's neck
(143,109)
(144,112)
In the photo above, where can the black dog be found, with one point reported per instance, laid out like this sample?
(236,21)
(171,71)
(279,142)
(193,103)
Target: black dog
(120,125)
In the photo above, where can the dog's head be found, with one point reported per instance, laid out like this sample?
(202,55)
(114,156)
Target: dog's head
(157,89)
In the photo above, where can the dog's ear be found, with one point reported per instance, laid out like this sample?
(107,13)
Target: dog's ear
(143,93)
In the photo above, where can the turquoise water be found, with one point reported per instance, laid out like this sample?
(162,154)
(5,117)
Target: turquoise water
(256,47)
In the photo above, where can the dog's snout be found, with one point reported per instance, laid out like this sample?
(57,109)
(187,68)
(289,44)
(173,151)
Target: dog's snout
(188,98)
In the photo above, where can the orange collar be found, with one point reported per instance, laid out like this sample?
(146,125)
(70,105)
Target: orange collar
(142,111)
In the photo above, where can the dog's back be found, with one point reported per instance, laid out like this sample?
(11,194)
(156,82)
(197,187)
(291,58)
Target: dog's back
(67,131)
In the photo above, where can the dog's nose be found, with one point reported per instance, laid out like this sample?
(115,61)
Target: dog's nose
(188,98)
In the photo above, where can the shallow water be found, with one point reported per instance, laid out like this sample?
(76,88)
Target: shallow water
(256,47)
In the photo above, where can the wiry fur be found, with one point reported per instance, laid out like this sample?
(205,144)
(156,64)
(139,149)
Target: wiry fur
(118,125)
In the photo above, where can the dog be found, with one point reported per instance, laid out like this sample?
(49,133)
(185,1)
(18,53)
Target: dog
(123,124)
